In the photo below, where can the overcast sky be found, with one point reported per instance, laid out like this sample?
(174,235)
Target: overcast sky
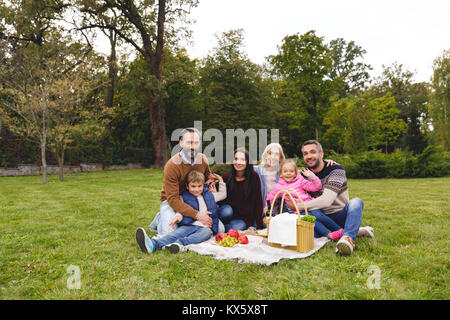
(410,32)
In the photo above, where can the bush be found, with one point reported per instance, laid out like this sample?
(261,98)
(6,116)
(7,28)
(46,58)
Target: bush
(220,169)
(434,161)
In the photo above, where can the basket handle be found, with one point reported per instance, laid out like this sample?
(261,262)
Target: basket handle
(292,199)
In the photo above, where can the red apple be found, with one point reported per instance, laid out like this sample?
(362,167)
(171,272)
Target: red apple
(220,236)
(243,239)
(233,233)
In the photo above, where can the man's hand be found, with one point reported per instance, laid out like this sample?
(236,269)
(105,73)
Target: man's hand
(204,218)
(290,204)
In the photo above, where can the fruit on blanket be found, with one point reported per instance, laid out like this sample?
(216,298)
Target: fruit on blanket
(233,233)
(228,241)
(220,236)
(243,239)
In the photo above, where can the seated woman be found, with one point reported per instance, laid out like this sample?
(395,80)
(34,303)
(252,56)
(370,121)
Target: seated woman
(243,195)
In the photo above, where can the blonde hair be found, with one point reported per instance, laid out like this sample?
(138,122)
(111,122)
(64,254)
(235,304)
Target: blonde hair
(287,161)
(195,176)
(266,151)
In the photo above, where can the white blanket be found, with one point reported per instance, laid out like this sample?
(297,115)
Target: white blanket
(256,251)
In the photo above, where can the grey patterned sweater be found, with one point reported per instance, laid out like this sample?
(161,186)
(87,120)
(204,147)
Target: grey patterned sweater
(334,194)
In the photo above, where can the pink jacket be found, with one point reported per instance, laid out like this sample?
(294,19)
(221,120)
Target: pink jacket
(299,184)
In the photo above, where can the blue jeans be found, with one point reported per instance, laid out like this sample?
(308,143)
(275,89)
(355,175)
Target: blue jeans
(225,214)
(324,224)
(165,216)
(350,217)
(184,235)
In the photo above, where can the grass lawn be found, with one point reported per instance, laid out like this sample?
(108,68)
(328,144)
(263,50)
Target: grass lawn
(90,219)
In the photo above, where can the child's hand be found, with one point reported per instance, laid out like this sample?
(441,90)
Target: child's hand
(176,219)
(212,188)
(216,177)
(308,173)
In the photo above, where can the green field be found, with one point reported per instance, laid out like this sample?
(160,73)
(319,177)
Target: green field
(89,221)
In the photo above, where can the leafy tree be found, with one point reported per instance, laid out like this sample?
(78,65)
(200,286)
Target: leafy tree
(146,26)
(411,99)
(233,91)
(304,62)
(349,74)
(440,99)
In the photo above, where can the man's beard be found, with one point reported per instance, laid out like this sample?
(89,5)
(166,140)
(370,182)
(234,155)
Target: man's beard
(316,164)
(189,155)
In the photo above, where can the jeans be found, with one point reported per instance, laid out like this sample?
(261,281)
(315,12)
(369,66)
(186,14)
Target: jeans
(350,217)
(183,235)
(166,215)
(324,224)
(225,214)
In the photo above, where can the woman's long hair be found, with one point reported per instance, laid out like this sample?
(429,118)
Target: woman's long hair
(248,174)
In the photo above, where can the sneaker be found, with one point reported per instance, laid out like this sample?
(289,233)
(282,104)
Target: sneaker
(144,242)
(366,232)
(174,247)
(345,245)
(336,235)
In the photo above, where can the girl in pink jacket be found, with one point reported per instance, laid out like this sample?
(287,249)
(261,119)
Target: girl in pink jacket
(291,178)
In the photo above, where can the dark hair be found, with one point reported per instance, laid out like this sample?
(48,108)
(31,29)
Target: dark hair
(186,130)
(248,174)
(315,142)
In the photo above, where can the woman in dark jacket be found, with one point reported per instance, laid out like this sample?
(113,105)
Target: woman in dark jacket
(243,194)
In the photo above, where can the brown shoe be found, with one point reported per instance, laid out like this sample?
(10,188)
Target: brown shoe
(345,246)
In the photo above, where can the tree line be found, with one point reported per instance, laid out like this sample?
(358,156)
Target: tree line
(61,101)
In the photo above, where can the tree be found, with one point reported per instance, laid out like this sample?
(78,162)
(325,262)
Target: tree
(349,75)
(150,21)
(30,76)
(411,99)
(389,126)
(440,99)
(304,62)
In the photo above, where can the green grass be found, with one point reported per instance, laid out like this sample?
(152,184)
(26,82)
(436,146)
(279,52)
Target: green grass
(89,221)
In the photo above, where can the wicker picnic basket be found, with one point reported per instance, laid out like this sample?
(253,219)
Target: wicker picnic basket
(305,229)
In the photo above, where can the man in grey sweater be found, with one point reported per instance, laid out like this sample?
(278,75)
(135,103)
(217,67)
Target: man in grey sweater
(333,199)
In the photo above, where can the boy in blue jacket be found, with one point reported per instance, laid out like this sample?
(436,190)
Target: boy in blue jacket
(190,231)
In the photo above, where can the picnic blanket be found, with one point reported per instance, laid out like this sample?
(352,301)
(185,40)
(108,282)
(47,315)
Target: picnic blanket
(256,251)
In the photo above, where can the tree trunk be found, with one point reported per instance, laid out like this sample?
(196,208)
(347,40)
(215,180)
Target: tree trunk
(43,161)
(112,69)
(155,99)
(60,157)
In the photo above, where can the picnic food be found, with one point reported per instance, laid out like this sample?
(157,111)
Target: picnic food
(220,236)
(243,239)
(308,218)
(228,241)
(233,233)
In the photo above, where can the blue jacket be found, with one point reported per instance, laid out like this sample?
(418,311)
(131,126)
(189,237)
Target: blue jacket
(191,200)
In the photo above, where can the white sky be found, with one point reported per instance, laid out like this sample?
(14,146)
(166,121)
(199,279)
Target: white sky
(411,32)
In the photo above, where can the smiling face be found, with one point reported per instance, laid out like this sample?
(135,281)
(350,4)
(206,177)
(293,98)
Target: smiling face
(312,156)
(195,188)
(239,161)
(288,171)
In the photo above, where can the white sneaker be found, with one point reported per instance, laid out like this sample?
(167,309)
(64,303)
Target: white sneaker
(345,246)
(175,247)
(366,232)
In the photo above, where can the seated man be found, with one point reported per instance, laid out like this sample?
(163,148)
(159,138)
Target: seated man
(176,171)
(333,198)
